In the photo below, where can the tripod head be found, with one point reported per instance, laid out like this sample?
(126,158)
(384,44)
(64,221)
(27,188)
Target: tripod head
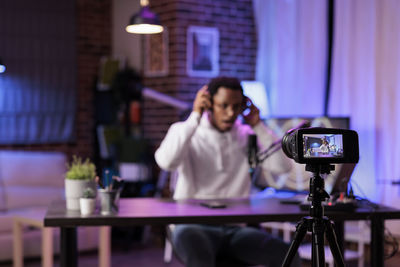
(320,168)
(317,188)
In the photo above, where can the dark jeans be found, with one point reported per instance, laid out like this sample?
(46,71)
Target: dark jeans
(200,245)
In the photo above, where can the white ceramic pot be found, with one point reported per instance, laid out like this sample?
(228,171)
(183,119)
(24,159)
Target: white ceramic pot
(74,191)
(87,205)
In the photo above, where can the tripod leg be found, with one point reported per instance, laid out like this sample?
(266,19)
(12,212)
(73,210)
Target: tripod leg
(333,244)
(301,230)
(318,244)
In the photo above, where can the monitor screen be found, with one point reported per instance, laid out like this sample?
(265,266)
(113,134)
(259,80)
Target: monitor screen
(323,146)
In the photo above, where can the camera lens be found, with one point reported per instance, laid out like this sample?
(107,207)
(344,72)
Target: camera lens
(289,144)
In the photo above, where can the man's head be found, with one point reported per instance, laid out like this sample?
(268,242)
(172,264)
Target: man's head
(227,102)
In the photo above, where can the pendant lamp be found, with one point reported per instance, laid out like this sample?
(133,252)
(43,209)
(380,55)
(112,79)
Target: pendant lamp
(145,21)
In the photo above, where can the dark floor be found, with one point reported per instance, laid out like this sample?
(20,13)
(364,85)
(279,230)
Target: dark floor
(146,256)
(149,254)
(151,257)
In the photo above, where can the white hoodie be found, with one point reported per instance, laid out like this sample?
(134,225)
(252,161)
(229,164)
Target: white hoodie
(211,164)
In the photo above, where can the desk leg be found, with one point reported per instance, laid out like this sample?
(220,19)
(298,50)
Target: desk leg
(69,251)
(105,246)
(18,246)
(377,236)
(47,247)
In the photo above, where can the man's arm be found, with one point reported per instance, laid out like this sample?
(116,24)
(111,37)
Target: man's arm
(175,145)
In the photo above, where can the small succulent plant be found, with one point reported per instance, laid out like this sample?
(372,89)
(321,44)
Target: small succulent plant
(88,193)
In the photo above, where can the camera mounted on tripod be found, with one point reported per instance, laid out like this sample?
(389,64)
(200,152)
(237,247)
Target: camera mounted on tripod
(319,148)
(321,145)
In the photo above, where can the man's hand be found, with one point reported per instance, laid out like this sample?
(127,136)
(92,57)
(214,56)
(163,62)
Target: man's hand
(253,117)
(202,100)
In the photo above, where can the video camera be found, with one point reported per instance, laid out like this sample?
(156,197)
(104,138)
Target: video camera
(321,145)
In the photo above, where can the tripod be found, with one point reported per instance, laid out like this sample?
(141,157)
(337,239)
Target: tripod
(316,223)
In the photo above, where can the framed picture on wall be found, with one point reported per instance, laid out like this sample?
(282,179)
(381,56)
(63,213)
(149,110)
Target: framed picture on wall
(202,59)
(156,54)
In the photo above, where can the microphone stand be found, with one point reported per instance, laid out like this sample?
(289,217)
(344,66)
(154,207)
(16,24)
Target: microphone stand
(266,153)
(259,158)
(275,146)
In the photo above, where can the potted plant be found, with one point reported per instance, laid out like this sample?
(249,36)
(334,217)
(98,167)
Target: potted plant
(88,201)
(79,176)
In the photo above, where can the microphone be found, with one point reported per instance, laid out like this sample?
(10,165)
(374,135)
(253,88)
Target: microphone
(252,151)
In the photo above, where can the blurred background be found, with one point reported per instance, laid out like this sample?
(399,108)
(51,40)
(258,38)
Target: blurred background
(76,82)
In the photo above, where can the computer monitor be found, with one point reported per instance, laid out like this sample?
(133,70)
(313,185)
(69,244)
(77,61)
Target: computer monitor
(298,179)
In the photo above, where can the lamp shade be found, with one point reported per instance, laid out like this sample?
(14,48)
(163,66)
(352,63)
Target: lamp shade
(144,22)
(2,66)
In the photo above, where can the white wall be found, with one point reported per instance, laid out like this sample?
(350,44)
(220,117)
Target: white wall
(124,44)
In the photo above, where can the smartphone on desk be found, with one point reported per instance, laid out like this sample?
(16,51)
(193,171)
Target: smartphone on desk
(213,204)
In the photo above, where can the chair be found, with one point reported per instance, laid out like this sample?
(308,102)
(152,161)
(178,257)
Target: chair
(164,184)
(168,251)
(305,253)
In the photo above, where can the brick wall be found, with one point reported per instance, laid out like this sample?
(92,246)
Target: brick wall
(93,41)
(235,22)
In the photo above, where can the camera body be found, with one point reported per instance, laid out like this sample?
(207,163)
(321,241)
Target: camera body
(321,145)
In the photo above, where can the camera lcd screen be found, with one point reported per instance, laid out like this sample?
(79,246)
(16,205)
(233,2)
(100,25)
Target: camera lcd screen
(323,145)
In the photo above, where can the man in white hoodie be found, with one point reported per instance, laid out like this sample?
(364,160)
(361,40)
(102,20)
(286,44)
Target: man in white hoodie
(209,152)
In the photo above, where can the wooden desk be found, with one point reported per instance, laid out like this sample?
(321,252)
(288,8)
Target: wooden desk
(152,211)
